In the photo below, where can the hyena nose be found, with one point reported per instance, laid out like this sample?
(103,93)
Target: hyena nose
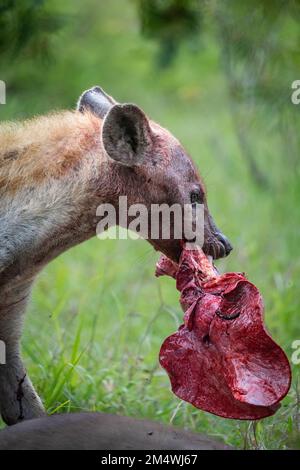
(225,242)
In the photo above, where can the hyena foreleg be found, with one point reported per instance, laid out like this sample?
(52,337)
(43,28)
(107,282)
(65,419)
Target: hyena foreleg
(18,399)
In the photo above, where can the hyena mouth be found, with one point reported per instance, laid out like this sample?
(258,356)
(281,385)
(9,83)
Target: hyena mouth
(219,248)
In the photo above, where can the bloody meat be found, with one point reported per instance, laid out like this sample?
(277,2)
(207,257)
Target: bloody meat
(222,359)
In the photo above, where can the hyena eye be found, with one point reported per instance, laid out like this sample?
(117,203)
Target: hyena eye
(196,197)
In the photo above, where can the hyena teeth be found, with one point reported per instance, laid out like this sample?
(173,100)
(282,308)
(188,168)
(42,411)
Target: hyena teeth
(210,259)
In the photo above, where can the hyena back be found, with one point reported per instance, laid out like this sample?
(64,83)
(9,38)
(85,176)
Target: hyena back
(54,173)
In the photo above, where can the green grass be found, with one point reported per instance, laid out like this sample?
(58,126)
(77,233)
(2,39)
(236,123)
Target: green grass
(98,315)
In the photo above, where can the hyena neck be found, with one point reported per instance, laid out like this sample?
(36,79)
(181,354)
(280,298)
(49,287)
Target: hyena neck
(53,175)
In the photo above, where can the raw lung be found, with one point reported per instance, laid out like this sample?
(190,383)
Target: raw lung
(222,359)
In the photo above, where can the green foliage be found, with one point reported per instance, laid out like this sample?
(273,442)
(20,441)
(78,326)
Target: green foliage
(26,26)
(259,47)
(260,61)
(171,22)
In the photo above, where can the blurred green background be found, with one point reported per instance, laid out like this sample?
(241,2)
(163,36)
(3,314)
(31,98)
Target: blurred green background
(218,74)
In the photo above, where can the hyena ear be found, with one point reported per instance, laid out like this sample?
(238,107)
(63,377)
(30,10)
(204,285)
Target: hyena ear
(95,100)
(126,135)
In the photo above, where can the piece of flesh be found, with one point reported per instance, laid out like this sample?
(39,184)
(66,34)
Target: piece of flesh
(222,359)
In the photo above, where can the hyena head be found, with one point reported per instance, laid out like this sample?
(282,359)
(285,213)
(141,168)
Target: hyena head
(152,168)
